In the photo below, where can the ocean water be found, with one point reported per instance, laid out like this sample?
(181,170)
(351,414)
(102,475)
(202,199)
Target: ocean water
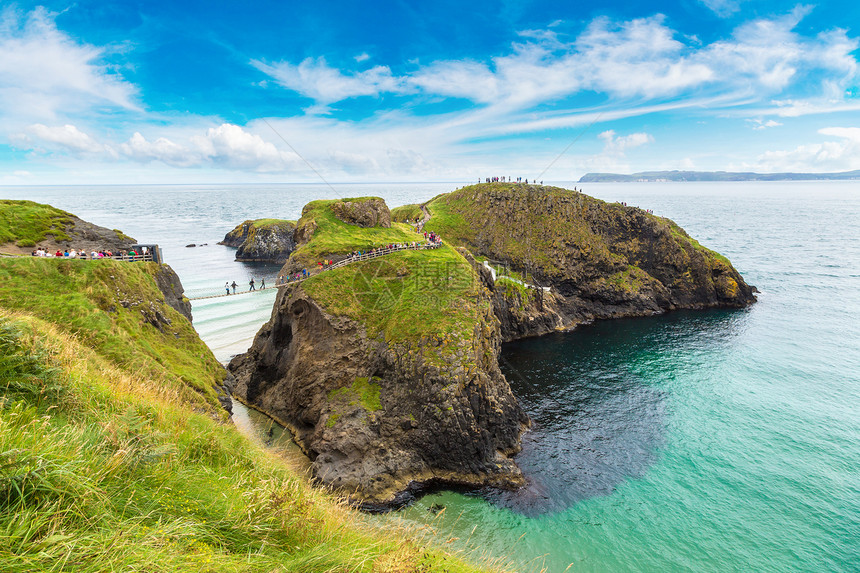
(694,441)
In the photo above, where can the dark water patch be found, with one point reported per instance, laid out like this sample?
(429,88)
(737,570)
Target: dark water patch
(595,397)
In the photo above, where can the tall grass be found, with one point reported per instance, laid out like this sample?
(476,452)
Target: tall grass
(101,471)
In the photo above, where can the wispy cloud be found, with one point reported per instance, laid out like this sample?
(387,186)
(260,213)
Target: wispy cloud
(314,78)
(45,74)
(723,8)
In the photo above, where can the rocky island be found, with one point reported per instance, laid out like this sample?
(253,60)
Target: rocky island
(262,240)
(386,369)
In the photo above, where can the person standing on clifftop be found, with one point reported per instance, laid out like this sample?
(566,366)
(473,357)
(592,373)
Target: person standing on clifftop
(234,285)
(251,284)
(263,284)
(227,287)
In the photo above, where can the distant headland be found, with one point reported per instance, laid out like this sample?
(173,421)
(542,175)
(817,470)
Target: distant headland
(653,176)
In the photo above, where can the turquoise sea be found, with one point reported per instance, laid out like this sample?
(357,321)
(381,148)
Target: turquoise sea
(694,441)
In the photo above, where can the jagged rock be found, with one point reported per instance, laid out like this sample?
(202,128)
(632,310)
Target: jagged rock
(364,212)
(174,294)
(262,240)
(379,420)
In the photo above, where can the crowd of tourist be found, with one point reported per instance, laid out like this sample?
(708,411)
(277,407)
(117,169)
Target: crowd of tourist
(129,255)
(508,180)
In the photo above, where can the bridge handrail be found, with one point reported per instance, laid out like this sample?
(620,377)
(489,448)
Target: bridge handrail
(363,257)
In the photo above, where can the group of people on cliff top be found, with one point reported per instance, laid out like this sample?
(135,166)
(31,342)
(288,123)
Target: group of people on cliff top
(130,255)
(502,180)
(251,285)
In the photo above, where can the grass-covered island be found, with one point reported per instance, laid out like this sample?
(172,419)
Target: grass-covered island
(386,369)
(116,452)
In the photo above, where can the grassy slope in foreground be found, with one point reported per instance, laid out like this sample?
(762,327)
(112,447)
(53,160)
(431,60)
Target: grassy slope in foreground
(104,466)
(113,308)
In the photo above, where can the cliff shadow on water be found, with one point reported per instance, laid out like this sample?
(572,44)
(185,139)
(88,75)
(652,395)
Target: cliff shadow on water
(600,401)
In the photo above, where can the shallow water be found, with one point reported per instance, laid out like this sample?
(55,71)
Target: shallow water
(693,441)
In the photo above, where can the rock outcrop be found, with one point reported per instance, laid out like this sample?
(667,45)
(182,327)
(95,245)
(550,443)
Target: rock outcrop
(601,260)
(382,419)
(174,294)
(262,240)
(386,370)
(364,212)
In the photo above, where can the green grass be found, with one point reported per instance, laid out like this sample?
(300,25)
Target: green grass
(100,471)
(406,213)
(363,391)
(269,223)
(26,223)
(106,304)
(332,236)
(407,296)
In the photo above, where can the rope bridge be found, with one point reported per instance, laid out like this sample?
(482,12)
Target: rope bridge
(283,281)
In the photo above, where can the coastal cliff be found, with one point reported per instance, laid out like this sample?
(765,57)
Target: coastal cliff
(386,370)
(262,240)
(600,260)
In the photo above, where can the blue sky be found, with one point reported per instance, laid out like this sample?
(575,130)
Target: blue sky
(217,91)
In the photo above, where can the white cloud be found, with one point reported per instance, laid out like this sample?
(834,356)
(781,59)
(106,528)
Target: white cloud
(314,78)
(228,146)
(233,147)
(138,148)
(45,74)
(362,57)
(760,124)
(827,156)
(614,157)
(66,136)
(723,8)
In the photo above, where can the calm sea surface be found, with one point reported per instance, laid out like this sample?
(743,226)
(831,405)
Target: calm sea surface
(695,441)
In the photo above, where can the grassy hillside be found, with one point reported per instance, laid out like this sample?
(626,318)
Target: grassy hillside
(26,223)
(558,235)
(408,296)
(331,236)
(116,309)
(114,454)
(406,213)
(101,470)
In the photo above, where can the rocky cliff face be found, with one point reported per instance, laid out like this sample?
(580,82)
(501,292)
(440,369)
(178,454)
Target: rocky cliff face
(381,419)
(365,212)
(262,240)
(174,294)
